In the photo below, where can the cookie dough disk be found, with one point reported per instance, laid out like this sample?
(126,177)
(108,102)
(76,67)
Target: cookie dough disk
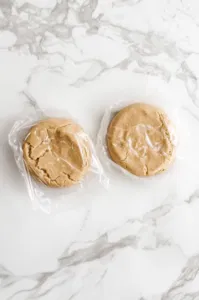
(140,139)
(57,152)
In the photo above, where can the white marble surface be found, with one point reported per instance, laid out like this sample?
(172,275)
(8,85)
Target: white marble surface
(136,241)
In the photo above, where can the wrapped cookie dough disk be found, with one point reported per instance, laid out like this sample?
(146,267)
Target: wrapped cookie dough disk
(56,157)
(138,139)
(57,152)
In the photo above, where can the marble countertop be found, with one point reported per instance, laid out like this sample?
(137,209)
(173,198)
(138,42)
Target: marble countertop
(137,241)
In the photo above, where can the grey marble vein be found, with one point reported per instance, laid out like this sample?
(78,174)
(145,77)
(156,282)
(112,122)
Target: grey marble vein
(190,80)
(188,274)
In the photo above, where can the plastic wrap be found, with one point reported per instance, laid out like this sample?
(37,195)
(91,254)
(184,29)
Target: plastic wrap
(46,187)
(135,144)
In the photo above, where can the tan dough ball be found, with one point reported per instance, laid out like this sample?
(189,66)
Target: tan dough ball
(140,139)
(57,152)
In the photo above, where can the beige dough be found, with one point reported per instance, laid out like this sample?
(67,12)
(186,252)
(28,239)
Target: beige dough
(57,152)
(140,139)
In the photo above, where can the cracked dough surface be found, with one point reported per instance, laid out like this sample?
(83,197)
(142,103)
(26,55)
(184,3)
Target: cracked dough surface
(57,152)
(140,138)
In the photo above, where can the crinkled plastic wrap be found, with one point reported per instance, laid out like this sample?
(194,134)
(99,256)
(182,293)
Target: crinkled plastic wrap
(147,141)
(46,194)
